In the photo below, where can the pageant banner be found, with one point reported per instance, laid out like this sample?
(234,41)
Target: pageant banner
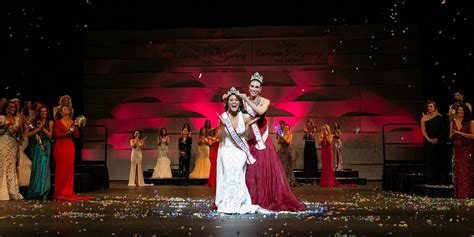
(299,51)
(248,52)
(212,52)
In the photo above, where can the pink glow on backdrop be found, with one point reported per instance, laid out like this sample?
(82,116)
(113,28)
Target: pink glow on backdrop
(152,116)
(316,78)
(170,95)
(93,154)
(375,123)
(384,107)
(120,140)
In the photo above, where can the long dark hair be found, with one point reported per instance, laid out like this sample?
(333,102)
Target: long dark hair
(203,131)
(139,132)
(466,120)
(241,103)
(38,115)
(206,122)
(186,125)
(165,132)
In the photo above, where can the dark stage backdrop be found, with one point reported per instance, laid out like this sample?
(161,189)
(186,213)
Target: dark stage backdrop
(356,75)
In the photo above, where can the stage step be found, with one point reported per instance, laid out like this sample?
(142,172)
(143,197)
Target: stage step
(174,181)
(392,170)
(345,177)
(347,173)
(342,180)
(312,181)
(435,191)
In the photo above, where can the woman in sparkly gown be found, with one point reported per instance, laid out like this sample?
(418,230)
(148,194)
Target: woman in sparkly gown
(337,148)
(461,133)
(202,164)
(285,154)
(162,168)
(136,170)
(9,134)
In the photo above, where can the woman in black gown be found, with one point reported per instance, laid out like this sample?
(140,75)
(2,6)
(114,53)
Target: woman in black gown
(432,129)
(310,154)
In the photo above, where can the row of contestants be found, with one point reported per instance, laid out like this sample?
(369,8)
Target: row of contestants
(39,133)
(206,154)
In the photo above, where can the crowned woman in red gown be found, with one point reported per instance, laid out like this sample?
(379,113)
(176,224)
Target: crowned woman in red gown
(65,131)
(266,179)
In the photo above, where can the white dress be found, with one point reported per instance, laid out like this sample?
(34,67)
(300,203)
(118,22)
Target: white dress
(8,157)
(202,166)
(232,195)
(24,166)
(162,168)
(136,170)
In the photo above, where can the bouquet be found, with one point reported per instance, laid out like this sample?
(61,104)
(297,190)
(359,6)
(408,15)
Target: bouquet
(279,130)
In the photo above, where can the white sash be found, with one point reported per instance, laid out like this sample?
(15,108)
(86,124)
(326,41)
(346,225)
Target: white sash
(238,141)
(256,131)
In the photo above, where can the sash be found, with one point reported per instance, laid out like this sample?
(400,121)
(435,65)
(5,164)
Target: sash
(241,144)
(260,145)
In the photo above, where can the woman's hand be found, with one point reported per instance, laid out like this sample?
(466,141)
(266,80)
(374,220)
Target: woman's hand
(244,97)
(253,121)
(221,120)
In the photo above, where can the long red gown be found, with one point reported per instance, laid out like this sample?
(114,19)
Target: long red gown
(63,153)
(266,179)
(463,166)
(211,181)
(328,179)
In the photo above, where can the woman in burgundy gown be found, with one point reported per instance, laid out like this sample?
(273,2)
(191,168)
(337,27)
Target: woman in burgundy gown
(328,179)
(214,143)
(65,131)
(461,133)
(266,179)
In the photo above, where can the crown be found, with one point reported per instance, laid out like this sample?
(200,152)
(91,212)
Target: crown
(257,77)
(233,91)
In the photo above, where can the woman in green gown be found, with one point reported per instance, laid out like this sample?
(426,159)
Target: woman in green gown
(40,134)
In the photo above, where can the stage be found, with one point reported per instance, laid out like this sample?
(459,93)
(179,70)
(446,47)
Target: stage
(184,211)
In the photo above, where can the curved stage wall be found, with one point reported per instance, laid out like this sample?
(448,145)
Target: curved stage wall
(359,76)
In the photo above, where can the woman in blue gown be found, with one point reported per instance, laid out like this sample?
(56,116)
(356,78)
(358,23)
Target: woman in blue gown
(40,134)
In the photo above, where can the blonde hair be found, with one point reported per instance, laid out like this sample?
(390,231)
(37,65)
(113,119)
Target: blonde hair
(325,126)
(64,97)
(434,105)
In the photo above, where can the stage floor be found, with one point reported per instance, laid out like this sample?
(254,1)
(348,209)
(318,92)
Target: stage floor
(184,211)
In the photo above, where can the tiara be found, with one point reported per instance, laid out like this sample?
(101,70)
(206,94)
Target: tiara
(233,91)
(257,77)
